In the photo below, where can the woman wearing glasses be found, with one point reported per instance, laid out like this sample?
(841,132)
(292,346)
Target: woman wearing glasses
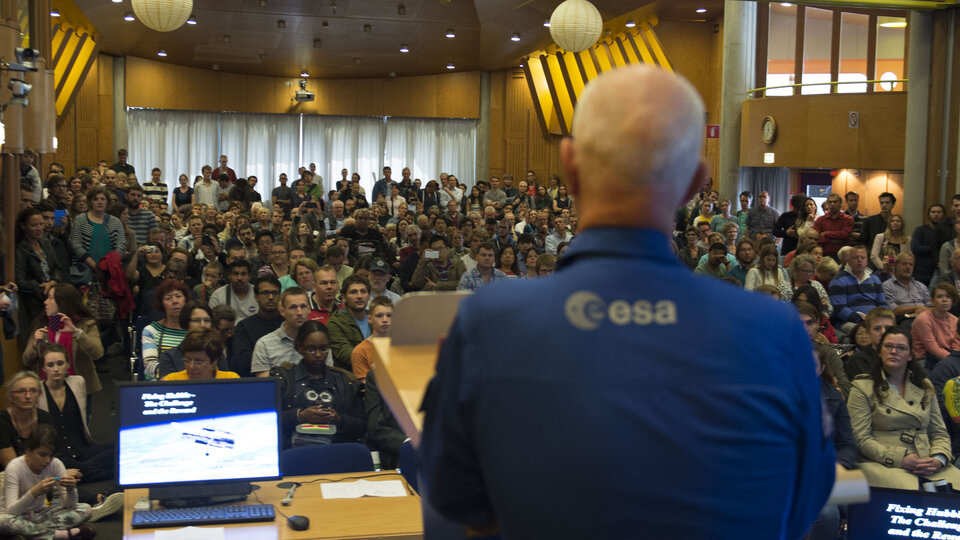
(21,417)
(202,350)
(194,316)
(314,393)
(900,434)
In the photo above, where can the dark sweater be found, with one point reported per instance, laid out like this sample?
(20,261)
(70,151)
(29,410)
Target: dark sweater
(245,336)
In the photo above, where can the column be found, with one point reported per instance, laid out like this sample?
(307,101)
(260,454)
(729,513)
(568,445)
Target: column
(120,106)
(482,171)
(739,53)
(918,107)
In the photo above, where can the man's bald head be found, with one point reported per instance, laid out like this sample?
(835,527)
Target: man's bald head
(637,129)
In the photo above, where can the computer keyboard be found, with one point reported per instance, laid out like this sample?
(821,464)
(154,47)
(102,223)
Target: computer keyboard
(201,515)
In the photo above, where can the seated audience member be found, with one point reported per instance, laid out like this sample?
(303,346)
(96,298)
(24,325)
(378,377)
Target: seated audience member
(28,482)
(827,269)
(65,398)
(336,258)
(827,525)
(691,253)
(712,238)
(237,293)
(276,348)
(877,322)
(301,274)
(855,291)
(810,316)
(379,316)
(545,264)
(906,296)
(224,321)
(266,320)
(436,271)
(802,273)
(484,271)
(946,386)
(935,330)
(899,430)
(69,323)
(767,271)
(507,259)
(21,416)
(746,257)
(349,325)
(202,351)
(195,315)
(769,290)
(313,393)
(952,277)
(384,433)
(323,299)
(807,293)
(212,273)
(716,263)
(379,276)
(165,334)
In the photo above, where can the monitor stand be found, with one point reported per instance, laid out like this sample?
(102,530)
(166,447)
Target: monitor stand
(200,494)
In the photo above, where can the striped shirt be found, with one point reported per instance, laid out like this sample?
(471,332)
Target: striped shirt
(156,192)
(81,233)
(141,223)
(156,339)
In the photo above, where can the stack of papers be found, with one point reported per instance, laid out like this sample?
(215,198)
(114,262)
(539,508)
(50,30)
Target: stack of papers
(363,488)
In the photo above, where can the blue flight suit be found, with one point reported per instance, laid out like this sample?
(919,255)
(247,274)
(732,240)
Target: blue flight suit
(624,398)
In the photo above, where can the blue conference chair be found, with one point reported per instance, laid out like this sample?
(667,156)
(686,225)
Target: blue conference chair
(408,464)
(326,459)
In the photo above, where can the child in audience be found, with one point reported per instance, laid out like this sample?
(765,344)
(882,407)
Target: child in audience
(29,480)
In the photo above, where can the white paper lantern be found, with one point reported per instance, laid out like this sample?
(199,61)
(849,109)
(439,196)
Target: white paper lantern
(575,25)
(163,15)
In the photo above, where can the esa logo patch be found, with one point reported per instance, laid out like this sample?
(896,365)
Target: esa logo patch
(585,310)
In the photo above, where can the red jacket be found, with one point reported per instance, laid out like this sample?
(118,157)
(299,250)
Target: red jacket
(114,283)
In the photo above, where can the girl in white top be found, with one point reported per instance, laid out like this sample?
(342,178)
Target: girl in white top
(28,480)
(895,237)
(767,271)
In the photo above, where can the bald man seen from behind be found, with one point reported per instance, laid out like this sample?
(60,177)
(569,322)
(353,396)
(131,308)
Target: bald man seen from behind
(594,404)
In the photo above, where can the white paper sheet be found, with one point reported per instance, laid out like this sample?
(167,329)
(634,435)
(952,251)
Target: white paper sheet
(190,533)
(363,488)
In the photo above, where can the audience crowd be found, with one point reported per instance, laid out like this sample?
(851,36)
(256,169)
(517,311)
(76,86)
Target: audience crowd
(221,281)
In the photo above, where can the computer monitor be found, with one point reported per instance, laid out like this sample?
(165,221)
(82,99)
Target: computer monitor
(197,442)
(895,513)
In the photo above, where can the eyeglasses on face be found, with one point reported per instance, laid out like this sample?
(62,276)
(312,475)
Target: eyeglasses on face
(890,347)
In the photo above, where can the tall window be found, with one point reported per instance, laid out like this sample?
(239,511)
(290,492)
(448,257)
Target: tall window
(817,37)
(891,37)
(781,64)
(854,38)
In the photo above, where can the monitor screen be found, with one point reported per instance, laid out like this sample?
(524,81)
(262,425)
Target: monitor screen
(894,513)
(197,431)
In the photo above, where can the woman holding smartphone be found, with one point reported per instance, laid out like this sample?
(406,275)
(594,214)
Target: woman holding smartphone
(67,322)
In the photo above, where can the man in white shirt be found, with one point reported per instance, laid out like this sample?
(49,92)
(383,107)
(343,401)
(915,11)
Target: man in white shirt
(560,234)
(237,293)
(276,348)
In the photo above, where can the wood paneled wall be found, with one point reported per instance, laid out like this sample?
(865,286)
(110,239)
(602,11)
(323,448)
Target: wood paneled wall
(869,185)
(812,131)
(85,129)
(160,85)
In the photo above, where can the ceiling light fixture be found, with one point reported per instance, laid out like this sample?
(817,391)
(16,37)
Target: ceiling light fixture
(630,24)
(192,20)
(162,52)
(54,12)
(894,24)
(515,37)
(450,33)
(117,1)
(786,4)
(304,74)
(546,23)
(129,17)
(162,16)
(281,24)
(404,48)
(702,10)
(451,66)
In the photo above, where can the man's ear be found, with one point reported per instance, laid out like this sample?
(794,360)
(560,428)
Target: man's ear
(568,159)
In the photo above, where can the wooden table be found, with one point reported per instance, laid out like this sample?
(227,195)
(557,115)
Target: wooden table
(366,517)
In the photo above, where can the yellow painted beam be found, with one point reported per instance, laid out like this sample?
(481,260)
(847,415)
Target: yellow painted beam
(651,37)
(85,57)
(641,49)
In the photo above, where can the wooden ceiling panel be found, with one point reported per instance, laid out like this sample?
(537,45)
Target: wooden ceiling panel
(258,46)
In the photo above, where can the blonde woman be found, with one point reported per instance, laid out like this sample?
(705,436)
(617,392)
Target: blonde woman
(895,237)
(767,271)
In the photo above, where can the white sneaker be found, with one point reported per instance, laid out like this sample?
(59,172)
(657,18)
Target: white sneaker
(111,505)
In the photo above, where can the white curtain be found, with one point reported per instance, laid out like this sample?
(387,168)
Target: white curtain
(431,146)
(335,143)
(261,145)
(266,145)
(175,141)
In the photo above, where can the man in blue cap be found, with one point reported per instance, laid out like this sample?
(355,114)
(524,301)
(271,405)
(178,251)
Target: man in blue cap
(623,396)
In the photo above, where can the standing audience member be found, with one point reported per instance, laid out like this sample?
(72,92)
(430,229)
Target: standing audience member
(925,245)
(894,238)
(95,232)
(141,220)
(36,267)
(877,223)
(834,227)
(761,218)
